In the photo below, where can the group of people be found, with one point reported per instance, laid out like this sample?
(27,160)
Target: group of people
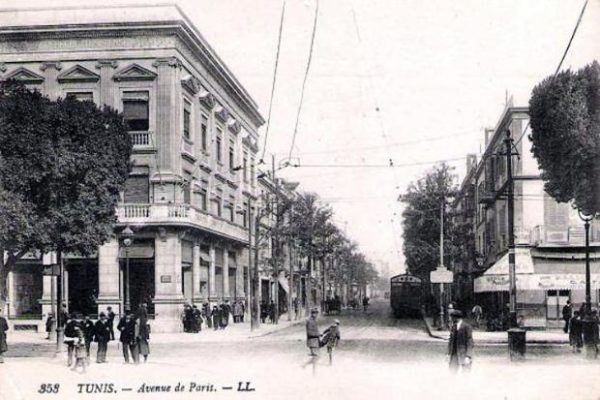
(268,312)
(575,326)
(216,317)
(80,331)
(315,339)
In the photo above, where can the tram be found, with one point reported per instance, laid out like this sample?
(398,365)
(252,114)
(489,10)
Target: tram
(406,295)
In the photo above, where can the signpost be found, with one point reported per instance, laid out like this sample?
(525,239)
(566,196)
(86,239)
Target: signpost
(441,275)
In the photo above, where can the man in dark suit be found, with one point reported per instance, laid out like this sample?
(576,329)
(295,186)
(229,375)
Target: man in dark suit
(460,344)
(127,337)
(102,333)
(566,314)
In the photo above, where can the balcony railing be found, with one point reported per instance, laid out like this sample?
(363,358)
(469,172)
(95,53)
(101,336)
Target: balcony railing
(187,147)
(169,213)
(142,139)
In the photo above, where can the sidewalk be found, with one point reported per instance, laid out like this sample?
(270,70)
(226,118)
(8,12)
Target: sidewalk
(27,343)
(548,337)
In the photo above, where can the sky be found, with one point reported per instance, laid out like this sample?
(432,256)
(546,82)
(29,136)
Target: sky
(406,81)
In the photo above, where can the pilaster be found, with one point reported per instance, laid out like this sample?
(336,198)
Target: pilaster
(168,299)
(11,294)
(50,85)
(225,273)
(196,274)
(109,277)
(107,68)
(212,288)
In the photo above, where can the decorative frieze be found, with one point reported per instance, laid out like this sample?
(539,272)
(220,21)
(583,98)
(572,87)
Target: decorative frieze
(24,75)
(107,63)
(78,74)
(169,61)
(51,64)
(134,72)
(207,99)
(191,83)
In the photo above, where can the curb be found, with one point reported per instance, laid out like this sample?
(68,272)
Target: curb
(275,330)
(429,329)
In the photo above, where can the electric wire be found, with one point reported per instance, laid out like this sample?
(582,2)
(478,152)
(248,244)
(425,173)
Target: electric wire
(262,156)
(306,72)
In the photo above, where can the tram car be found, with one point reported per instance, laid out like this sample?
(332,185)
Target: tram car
(406,295)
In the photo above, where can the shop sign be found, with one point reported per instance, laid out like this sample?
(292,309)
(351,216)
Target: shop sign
(165,279)
(441,275)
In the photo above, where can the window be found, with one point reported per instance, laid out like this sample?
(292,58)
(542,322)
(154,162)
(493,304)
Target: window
(187,187)
(218,144)
(81,96)
(245,167)
(252,171)
(137,189)
(201,196)
(204,133)
(231,208)
(231,155)
(135,110)
(245,215)
(186,119)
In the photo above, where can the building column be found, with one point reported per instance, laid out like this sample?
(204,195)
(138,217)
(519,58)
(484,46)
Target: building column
(212,288)
(239,275)
(12,309)
(50,85)
(48,294)
(168,299)
(225,273)
(109,277)
(107,68)
(196,274)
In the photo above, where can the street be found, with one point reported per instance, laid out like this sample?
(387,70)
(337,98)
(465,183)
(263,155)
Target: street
(376,352)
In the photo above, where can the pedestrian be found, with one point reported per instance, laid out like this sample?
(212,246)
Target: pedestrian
(331,337)
(197,318)
(575,332)
(477,312)
(3,341)
(312,332)
(296,308)
(127,337)
(187,318)
(264,311)
(88,334)
(237,312)
(80,354)
(142,336)
(365,303)
(102,337)
(216,318)
(111,321)
(243,305)
(71,336)
(460,344)
(566,315)
(273,312)
(224,315)
(49,324)
(208,315)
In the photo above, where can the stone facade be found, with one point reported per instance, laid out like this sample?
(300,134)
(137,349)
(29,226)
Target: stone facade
(194,131)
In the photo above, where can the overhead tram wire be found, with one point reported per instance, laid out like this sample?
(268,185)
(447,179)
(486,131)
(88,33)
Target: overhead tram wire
(561,61)
(388,166)
(306,72)
(379,119)
(262,156)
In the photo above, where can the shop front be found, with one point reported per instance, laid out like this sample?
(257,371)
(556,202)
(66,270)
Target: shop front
(545,282)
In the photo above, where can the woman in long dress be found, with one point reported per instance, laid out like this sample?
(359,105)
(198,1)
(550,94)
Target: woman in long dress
(142,332)
(3,343)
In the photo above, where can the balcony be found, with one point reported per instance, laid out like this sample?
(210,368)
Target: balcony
(142,141)
(187,149)
(179,214)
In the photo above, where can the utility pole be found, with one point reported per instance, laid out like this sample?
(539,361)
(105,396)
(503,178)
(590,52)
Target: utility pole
(511,236)
(275,246)
(249,286)
(59,301)
(291,262)
(442,322)
(255,281)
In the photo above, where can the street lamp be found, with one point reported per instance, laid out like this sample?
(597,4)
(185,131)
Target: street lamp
(127,235)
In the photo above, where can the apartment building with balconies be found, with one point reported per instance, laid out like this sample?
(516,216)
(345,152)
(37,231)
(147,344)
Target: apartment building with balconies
(194,130)
(548,235)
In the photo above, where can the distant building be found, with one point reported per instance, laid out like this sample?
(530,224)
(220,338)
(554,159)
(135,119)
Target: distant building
(548,235)
(194,133)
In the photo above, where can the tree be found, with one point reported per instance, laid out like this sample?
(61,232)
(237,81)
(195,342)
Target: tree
(565,123)
(62,166)
(421,220)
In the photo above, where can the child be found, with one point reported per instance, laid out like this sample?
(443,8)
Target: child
(80,353)
(330,338)
(49,324)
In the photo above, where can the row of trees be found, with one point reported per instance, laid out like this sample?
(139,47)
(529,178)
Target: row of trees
(305,226)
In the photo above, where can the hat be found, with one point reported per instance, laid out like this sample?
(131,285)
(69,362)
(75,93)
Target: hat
(314,310)
(456,313)
(102,314)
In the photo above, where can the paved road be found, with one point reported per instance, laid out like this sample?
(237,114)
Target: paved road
(378,355)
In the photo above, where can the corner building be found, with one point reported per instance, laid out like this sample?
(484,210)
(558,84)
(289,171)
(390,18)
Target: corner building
(194,134)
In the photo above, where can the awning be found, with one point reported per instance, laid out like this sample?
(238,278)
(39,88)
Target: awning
(523,263)
(136,252)
(283,281)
